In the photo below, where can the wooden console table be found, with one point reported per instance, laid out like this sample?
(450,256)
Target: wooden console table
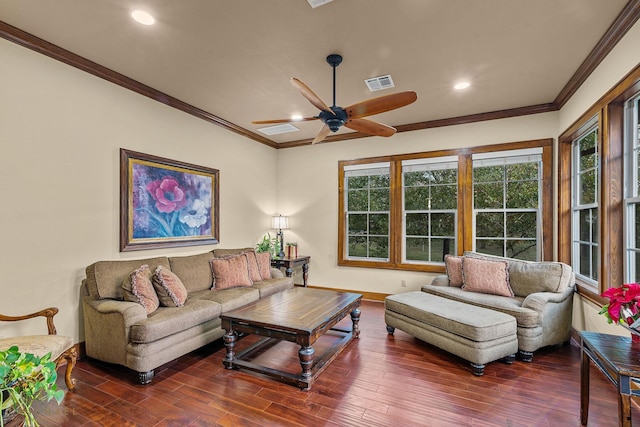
(619,360)
(291,263)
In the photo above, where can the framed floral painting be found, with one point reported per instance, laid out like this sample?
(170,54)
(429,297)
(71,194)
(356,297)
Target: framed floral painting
(166,203)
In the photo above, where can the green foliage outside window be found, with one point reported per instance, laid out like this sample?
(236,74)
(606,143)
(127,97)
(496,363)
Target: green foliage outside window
(368,216)
(506,199)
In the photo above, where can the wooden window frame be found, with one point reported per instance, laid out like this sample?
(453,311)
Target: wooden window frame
(465,202)
(610,111)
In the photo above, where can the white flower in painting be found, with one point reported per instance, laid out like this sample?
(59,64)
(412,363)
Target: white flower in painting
(195,216)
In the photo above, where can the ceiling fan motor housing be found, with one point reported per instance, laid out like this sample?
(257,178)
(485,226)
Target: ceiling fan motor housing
(334,120)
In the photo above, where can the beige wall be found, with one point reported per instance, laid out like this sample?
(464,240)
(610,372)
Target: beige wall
(60,135)
(60,132)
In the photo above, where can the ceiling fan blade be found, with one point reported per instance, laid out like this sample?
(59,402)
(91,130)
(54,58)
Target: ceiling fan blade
(270,122)
(324,132)
(381,104)
(308,93)
(370,127)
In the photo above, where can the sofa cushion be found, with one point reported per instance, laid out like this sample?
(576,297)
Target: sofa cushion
(229,299)
(527,277)
(453,265)
(475,323)
(194,271)
(525,317)
(137,287)
(486,276)
(104,278)
(264,264)
(171,292)
(167,321)
(273,285)
(230,272)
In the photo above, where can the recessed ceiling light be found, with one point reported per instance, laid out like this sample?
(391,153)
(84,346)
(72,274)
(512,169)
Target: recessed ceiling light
(296,117)
(461,85)
(143,17)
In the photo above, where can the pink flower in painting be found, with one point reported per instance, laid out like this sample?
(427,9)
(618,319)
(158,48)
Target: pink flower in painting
(167,193)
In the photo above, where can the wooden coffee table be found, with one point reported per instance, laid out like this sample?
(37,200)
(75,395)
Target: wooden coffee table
(299,315)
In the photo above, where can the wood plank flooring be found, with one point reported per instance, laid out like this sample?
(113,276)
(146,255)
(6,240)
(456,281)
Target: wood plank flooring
(378,380)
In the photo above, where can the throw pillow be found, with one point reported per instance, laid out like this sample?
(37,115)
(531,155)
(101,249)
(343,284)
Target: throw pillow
(170,289)
(137,287)
(485,276)
(264,264)
(453,265)
(230,272)
(254,269)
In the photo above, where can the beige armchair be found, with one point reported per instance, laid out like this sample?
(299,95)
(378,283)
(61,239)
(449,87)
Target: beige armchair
(61,347)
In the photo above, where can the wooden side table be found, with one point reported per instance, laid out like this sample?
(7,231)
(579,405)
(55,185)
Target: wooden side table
(619,360)
(291,263)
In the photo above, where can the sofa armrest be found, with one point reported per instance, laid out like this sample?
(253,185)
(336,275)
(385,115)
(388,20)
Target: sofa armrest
(276,273)
(106,327)
(441,280)
(538,300)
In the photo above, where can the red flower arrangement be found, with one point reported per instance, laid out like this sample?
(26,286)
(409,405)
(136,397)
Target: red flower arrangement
(624,304)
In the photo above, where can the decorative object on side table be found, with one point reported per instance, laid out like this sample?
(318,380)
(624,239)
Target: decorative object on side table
(624,308)
(279,222)
(25,378)
(292,250)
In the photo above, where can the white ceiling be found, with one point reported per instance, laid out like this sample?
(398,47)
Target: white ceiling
(234,59)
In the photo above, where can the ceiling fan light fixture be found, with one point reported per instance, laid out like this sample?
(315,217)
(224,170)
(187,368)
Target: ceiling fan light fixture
(142,17)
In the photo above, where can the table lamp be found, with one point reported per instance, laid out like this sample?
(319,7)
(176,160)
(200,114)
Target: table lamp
(280,223)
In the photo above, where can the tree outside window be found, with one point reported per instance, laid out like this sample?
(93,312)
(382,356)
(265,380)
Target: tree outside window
(367,200)
(585,205)
(430,195)
(408,211)
(507,203)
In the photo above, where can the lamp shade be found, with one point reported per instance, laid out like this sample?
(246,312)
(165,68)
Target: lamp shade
(280,222)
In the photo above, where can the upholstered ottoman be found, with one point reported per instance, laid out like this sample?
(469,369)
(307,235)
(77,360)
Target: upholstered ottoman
(476,334)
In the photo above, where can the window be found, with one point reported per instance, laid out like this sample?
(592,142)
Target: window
(408,211)
(367,201)
(598,198)
(585,204)
(632,191)
(507,201)
(430,206)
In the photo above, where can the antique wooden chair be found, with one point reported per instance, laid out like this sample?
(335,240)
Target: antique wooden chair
(61,347)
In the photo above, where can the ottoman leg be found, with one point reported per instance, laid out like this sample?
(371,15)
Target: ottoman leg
(390,330)
(478,370)
(509,359)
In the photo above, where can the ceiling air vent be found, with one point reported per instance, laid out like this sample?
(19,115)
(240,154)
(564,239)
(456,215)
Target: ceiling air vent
(379,83)
(278,129)
(316,3)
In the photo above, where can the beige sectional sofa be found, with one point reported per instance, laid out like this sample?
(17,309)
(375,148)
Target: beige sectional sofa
(541,300)
(121,332)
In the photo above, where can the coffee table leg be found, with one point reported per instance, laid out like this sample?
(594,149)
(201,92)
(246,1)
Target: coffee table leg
(306,360)
(355,318)
(230,343)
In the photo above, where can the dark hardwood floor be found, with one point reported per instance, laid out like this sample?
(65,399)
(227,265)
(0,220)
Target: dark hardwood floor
(378,380)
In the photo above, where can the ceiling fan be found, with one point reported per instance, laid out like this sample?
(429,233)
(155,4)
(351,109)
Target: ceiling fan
(335,117)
